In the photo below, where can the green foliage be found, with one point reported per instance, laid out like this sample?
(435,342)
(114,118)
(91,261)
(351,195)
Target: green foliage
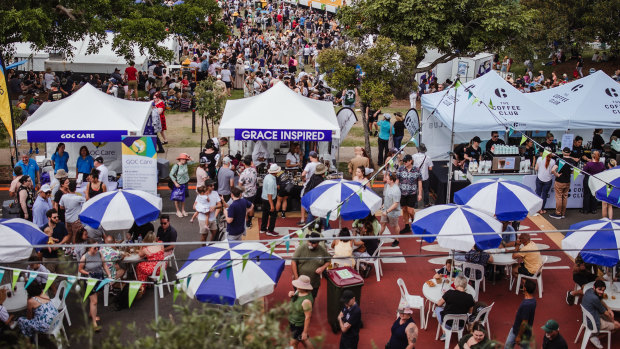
(51,25)
(209,326)
(210,102)
(454,27)
(339,75)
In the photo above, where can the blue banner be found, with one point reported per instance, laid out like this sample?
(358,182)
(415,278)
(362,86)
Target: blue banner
(242,134)
(76,136)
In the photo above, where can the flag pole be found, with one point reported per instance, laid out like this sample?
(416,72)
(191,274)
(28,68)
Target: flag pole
(451,150)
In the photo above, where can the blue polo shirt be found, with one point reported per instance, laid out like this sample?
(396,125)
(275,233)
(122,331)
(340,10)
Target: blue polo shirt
(60,162)
(385,128)
(31,169)
(85,165)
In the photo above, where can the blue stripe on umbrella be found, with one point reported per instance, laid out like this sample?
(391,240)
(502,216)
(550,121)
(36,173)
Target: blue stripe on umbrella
(477,224)
(214,290)
(272,267)
(354,208)
(429,223)
(140,208)
(603,243)
(509,208)
(94,214)
(31,234)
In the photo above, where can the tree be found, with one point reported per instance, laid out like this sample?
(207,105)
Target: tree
(457,28)
(387,69)
(51,25)
(210,104)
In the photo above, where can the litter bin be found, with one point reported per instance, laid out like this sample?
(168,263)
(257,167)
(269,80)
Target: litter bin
(340,279)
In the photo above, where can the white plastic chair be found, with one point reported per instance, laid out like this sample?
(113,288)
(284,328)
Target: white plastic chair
(577,288)
(458,325)
(55,328)
(474,270)
(375,260)
(536,277)
(172,258)
(59,300)
(161,266)
(483,318)
(414,302)
(590,331)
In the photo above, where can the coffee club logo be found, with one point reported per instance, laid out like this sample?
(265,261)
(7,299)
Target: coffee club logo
(576,87)
(611,92)
(501,93)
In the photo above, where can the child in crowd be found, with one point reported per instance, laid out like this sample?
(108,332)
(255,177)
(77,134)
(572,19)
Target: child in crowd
(446,270)
(201,204)
(42,271)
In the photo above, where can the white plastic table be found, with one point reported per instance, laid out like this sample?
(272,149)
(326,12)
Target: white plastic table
(503,258)
(19,298)
(434,294)
(613,304)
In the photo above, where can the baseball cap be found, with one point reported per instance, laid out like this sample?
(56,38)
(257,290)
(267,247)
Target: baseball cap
(99,159)
(476,139)
(407,157)
(387,116)
(204,160)
(346,296)
(226,160)
(550,326)
(313,154)
(45,188)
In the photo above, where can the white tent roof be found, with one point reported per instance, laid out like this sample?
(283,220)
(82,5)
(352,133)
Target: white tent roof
(278,108)
(510,106)
(590,102)
(88,109)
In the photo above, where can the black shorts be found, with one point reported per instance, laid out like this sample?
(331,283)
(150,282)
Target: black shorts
(523,270)
(296,331)
(372,119)
(583,278)
(283,193)
(228,84)
(409,200)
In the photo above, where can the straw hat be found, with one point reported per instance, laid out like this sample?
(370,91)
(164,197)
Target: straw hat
(303,283)
(320,169)
(184,156)
(274,168)
(61,174)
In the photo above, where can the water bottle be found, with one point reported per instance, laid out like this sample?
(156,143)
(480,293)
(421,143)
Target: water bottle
(139,239)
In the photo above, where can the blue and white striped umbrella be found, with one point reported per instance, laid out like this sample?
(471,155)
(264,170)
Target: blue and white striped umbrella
(234,285)
(119,209)
(326,197)
(21,234)
(506,200)
(599,188)
(455,226)
(598,241)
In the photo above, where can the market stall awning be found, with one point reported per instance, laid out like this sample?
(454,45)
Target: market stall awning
(88,115)
(279,114)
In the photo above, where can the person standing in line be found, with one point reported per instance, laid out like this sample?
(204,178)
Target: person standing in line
(399,129)
(391,207)
(225,179)
(301,312)
(201,172)
(236,214)
(311,259)
(305,175)
(30,168)
(562,183)
(248,179)
(553,339)
(385,130)
(42,204)
(25,197)
(350,321)
(423,163)
(103,173)
(410,183)
(544,178)
(521,330)
(72,203)
(268,196)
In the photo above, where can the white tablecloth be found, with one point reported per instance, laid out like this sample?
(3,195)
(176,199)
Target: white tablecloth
(18,299)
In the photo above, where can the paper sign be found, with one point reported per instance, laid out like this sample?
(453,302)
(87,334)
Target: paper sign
(344,274)
(567,140)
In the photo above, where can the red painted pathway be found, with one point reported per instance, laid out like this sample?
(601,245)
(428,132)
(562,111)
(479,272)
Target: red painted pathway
(380,299)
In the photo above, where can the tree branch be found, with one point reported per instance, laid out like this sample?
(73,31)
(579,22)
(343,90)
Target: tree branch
(67,11)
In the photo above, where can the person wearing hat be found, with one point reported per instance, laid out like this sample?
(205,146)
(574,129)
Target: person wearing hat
(179,175)
(385,131)
(562,183)
(404,330)
(103,172)
(225,178)
(424,163)
(473,152)
(268,196)
(301,311)
(41,205)
(350,321)
(311,259)
(410,184)
(553,339)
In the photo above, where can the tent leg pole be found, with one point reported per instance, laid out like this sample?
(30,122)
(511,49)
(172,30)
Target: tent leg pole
(451,147)
(155,296)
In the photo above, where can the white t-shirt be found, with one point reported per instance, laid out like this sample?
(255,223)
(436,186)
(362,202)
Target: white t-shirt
(202,205)
(309,169)
(544,173)
(214,198)
(422,162)
(103,175)
(294,158)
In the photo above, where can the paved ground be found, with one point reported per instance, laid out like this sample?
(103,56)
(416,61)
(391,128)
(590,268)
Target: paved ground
(379,299)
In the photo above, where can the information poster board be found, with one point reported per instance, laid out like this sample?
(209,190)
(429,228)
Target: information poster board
(140,163)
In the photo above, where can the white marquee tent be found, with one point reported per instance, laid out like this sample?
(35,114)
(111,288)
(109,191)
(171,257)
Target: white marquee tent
(510,107)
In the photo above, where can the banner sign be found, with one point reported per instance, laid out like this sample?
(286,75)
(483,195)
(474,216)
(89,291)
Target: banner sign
(140,163)
(5,104)
(346,119)
(282,135)
(412,122)
(76,136)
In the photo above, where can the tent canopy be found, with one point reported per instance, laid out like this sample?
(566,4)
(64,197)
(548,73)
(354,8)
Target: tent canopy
(510,106)
(88,115)
(279,114)
(590,102)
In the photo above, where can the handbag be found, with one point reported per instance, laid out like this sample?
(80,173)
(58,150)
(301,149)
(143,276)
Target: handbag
(178,193)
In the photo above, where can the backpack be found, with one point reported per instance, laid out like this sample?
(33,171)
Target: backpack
(349,97)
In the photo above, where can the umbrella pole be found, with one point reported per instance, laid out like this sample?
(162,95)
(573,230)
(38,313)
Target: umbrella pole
(451,148)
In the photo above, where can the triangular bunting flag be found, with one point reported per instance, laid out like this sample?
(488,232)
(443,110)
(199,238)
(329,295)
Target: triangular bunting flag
(161,275)
(469,95)
(70,282)
(273,247)
(545,153)
(510,131)
(209,274)
(490,103)
(608,190)
(523,139)
(33,275)
(360,194)
(329,213)
(412,140)
(476,100)
(15,278)
(228,268)
(134,286)
(103,283)
(188,279)
(177,288)
(90,284)
(339,208)
(457,84)
(287,242)
(244,261)
(575,173)
(50,280)
(560,164)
